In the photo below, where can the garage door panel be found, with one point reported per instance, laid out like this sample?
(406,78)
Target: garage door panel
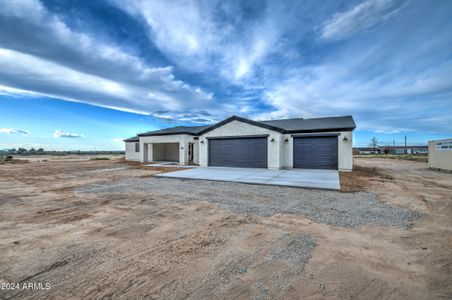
(315,152)
(238,152)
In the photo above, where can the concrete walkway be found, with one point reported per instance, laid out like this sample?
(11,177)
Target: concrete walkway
(324,179)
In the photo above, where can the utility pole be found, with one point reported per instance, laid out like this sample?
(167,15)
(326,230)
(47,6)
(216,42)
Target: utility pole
(393,143)
(405,145)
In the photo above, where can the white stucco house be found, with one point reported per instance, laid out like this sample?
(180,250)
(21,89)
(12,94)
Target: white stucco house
(318,143)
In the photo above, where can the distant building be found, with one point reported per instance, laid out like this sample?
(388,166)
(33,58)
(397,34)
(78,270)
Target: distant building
(404,150)
(440,154)
(9,151)
(366,150)
(396,150)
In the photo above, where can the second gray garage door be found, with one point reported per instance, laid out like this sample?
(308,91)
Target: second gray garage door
(238,152)
(315,152)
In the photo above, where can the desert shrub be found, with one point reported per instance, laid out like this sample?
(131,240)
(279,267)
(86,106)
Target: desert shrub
(99,158)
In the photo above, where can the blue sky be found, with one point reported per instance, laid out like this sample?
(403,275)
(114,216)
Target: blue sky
(86,74)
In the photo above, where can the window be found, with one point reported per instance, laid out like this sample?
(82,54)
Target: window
(137,147)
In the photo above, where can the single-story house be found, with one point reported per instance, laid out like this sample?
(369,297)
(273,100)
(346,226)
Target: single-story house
(319,143)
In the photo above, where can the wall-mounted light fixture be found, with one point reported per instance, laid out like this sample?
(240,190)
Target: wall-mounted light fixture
(182,148)
(345,138)
(272,140)
(202,141)
(286,140)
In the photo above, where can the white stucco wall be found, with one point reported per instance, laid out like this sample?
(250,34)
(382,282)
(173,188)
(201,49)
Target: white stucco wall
(287,152)
(345,149)
(237,128)
(130,153)
(196,152)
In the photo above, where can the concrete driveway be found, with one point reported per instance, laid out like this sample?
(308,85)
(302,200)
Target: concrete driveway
(324,179)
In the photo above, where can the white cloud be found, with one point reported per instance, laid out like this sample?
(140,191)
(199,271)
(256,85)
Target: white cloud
(386,103)
(360,17)
(259,56)
(191,33)
(11,130)
(62,134)
(39,54)
(201,117)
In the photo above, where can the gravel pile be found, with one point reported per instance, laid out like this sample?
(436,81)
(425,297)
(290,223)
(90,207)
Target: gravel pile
(322,206)
(292,250)
(296,253)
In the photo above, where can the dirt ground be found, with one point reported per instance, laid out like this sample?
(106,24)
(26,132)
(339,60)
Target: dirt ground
(134,244)
(67,157)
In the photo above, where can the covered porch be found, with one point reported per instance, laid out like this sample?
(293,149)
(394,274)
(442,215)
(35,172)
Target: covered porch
(178,149)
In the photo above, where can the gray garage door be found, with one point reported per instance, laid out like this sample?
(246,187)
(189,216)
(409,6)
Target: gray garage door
(315,152)
(238,152)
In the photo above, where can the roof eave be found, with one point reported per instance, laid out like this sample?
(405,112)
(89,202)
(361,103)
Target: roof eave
(168,133)
(320,130)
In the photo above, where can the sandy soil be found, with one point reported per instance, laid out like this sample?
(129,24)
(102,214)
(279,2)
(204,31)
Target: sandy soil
(135,245)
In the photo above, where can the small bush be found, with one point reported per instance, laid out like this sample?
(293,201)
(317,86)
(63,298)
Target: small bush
(99,158)
(8,158)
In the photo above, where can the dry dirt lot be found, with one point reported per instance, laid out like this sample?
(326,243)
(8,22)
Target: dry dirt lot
(106,229)
(66,157)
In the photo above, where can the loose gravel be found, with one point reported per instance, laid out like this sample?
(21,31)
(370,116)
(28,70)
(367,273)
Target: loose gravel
(322,206)
(292,250)
(296,253)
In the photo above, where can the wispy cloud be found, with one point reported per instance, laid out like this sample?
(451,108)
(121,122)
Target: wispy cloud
(382,101)
(62,134)
(12,130)
(41,54)
(211,36)
(201,117)
(365,15)
(200,61)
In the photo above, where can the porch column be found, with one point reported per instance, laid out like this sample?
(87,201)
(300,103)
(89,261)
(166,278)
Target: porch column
(150,152)
(146,154)
(143,152)
(183,151)
(196,152)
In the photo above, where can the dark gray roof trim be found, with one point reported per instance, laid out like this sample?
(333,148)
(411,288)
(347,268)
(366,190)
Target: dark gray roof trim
(321,130)
(132,139)
(190,130)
